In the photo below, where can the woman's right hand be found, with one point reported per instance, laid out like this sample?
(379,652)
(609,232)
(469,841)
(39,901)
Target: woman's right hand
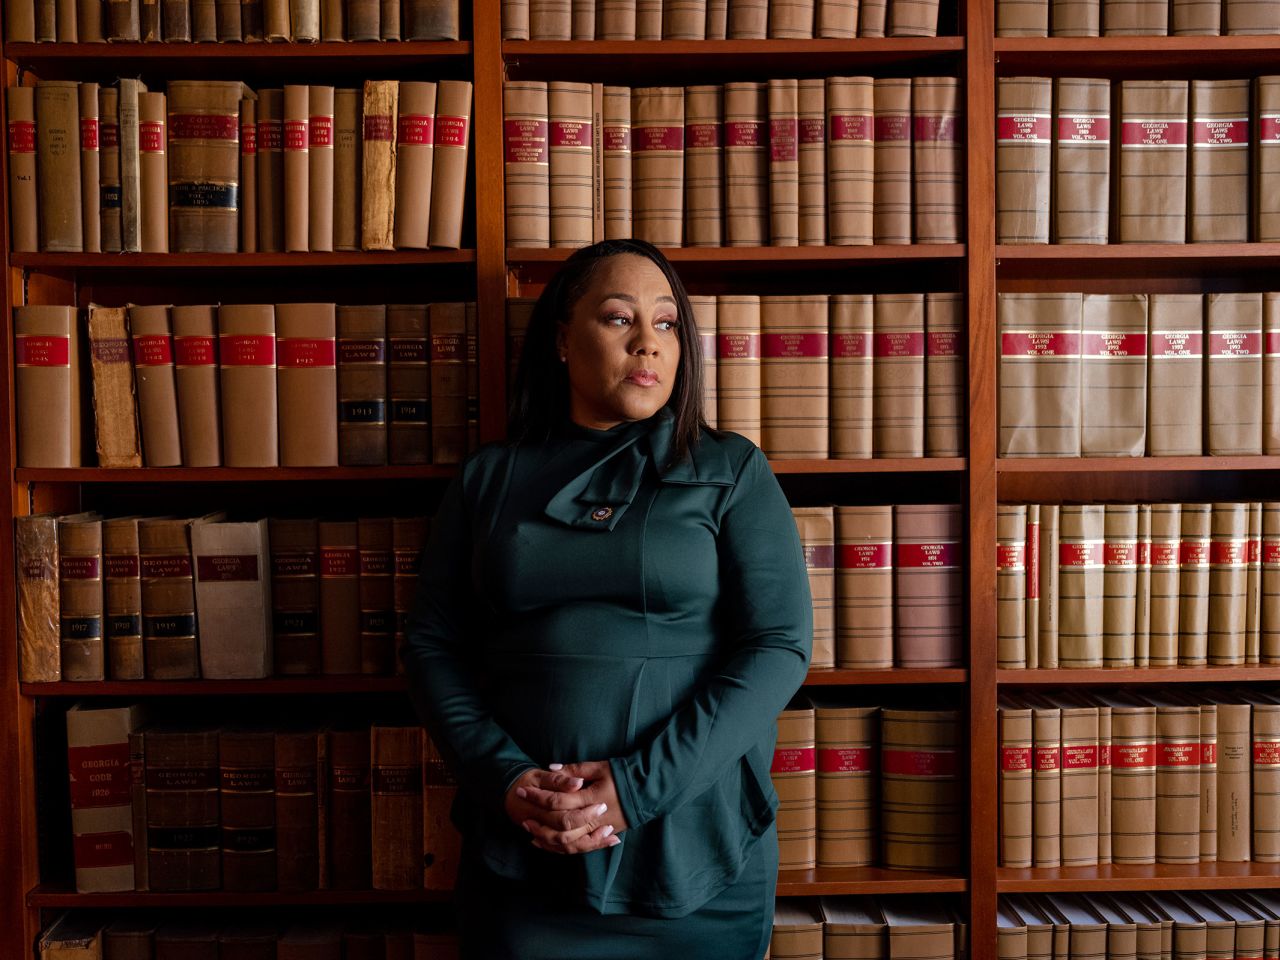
(578,830)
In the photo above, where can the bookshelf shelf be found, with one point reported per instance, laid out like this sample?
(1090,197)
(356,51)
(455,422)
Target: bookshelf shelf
(1158,876)
(238,261)
(1052,466)
(1064,678)
(51,895)
(888,465)
(837,881)
(1136,262)
(228,474)
(1134,56)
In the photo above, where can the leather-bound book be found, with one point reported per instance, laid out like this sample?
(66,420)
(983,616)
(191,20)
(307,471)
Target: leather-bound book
(227,25)
(307,384)
(704,312)
(1119,584)
(415,153)
(515,20)
(195,374)
(270,114)
(247,809)
(791,20)
(130,164)
(389,21)
(1135,18)
(746,159)
(101,813)
(1015,733)
(1193,603)
(1011,584)
(851,927)
(153,173)
(296,148)
(1166,591)
(448,382)
(47,386)
(851,405)
(1232,779)
(299,783)
(339,589)
(684,20)
(295,596)
(1113,373)
(1243,18)
(864,587)
(1081,160)
(233,599)
(921,818)
(24,217)
(1269,651)
(138,803)
(616,147)
(107,189)
(1152,177)
(1142,590)
(35,538)
(90,168)
(175,19)
(872,15)
(408,384)
(1271,373)
(252,26)
(1046,784)
(1266,773)
(247,355)
(377,598)
(738,365)
(157,393)
(1034,563)
(817,532)
(899,367)
(928,588)
(1081,578)
(122,599)
(784,163)
(703,161)
(850,137)
(362,385)
(1023,158)
(348,167)
(811,132)
(57,116)
(396,807)
(378,187)
(1011,934)
(845,738)
(657,164)
(1233,374)
(1075,18)
(1079,761)
(449,167)
(1266,160)
(945,384)
(204,165)
(936,159)
(1195,18)
(184,846)
(114,404)
(320,167)
(570,162)
(551,19)
(1228,583)
(349,852)
(794,774)
(1253,588)
(1218,184)
(168,600)
(794,376)
(1175,375)
(1039,374)
(748,19)
(892,214)
(408,536)
(1133,779)
(432,20)
(441,842)
(615,19)
(526,163)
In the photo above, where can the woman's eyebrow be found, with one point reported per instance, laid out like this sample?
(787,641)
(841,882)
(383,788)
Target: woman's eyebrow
(630,299)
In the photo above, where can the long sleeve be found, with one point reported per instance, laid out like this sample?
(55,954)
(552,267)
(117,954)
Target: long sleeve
(768,612)
(443,680)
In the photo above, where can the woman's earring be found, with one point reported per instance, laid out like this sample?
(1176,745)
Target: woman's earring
(564,358)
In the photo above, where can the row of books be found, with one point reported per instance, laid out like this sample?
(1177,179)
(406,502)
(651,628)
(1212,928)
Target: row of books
(1189,161)
(1134,777)
(868,928)
(207,21)
(215,167)
(717,19)
(1137,585)
(814,376)
(1135,18)
(864,785)
(887,584)
(247,385)
(840,161)
(165,598)
(206,806)
(1195,925)
(1133,374)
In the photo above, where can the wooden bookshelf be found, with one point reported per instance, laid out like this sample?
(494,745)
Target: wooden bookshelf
(1156,876)
(1130,675)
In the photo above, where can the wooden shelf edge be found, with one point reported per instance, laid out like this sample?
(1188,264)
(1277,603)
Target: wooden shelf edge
(1109,252)
(227,261)
(758,256)
(1060,677)
(1207,876)
(324,50)
(52,895)
(913,465)
(227,474)
(1129,45)
(817,678)
(831,881)
(515,49)
(1056,465)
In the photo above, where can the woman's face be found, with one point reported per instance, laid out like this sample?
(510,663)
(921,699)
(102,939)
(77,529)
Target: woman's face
(621,344)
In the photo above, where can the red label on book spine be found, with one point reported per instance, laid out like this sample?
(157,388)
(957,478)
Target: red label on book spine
(944,554)
(1011,556)
(1178,754)
(919,763)
(320,132)
(305,352)
(1084,129)
(222,569)
(201,126)
(121,566)
(88,133)
(1165,553)
(1080,756)
(1153,133)
(295,136)
(111,849)
(152,349)
(99,775)
(1039,344)
(1022,128)
(1269,129)
(1033,561)
(851,126)
(151,136)
(782,139)
(617,138)
(1194,553)
(1208,753)
(1048,758)
(657,138)
(1108,344)
(339,561)
(865,556)
(375,563)
(22,136)
(819,556)
(1013,759)
(1176,343)
(362,351)
(451,131)
(943,343)
(1130,755)
(1229,552)
(42,350)
(850,346)
(1120,553)
(525,140)
(379,127)
(813,129)
(78,568)
(934,129)
(795,345)
(109,134)
(447,347)
(248,139)
(701,135)
(899,344)
(416,129)
(195,351)
(1221,133)
(162,567)
(794,760)
(893,129)
(294,564)
(1235,343)
(248,349)
(407,350)
(844,760)
(1266,753)
(739,346)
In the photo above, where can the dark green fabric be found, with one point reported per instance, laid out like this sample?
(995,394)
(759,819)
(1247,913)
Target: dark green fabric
(582,599)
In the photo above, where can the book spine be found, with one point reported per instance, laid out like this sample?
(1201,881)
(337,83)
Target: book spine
(108,186)
(784,162)
(1208,783)
(1023,159)
(1135,18)
(408,535)
(1011,580)
(415,155)
(248,176)
(204,166)
(57,115)
(175,19)
(396,807)
(616,147)
(811,132)
(304,20)
(852,369)
(1195,18)
(616,20)
(738,365)
(1081,584)
(364,20)
(182,810)
(748,20)
(851,159)
(115,413)
(1081,160)
(1050,605)
(169,644)
(1031,591)
(1241,18)
(918,799)
(872,15)
(377,598)
(24,218)
(195,373)
(944,421)
(1266,779)
(320,167)
(836,19)
(46,357)
(1039,402)
(130,166)
(1271,373)
(449,169)
(122,599)
(1104,785)
(38,614)
(935,156)
(153,173)
(20,22)
(307,384)
(1152,166)
(1177,784)
(247,810)
(448,382)
(389,20)
(1266,160)
(1253,588)
(247,379)
(1228,583)
(704,312)
(845,742)
(349,851)
(927,585)
(1046,787)
(1079,762)
(746,164)
(435,20)
(657,172)
(101,813)
(703,160)
(227,27)
(569,135)
(1235,796)
(864,580)
(251,20)
(347,169)
(1076,18)
(297,783)
(1233,374)
(1269,641)
(1142,590)
(80,599)
(270,114)
(295,597)
(1016,804)
(791,20)
(527,163)
(408,385)
(442,844)
(892,205)
(1193,603)
(794,773)
(1218,178)
(898,401)
(1113,368)
(157,393)
(1133,785)
(1175,374)
(297,166)
(90,168)
(362,386)
(339,588)
(794,376)
(378,190)
(1166,578)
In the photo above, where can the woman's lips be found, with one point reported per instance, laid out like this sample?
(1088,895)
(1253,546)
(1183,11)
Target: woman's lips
(642,378)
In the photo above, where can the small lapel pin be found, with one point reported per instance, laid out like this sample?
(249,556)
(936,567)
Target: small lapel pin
(602,513)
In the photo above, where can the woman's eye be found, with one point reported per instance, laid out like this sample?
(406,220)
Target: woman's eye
(614,317)
(669,324)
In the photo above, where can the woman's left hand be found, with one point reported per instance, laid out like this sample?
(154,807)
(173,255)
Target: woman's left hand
(548,829)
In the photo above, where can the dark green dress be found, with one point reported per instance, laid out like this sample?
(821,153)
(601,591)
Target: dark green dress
(581,601)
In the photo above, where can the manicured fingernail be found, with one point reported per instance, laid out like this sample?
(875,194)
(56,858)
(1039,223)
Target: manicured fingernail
(521,792)
(607,830)
(601,808)
(614,841)
(578,781)
(526,826)
(555,766)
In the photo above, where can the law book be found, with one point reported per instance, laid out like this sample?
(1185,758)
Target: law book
(90,167)
(101,811)
(1133,778)
(1075,18)
(791,19)
(169,626)
(872,15)
(35,538)
(320,167)
(204,165)
(851,160)
(1177,780)
(307,384)
(748,19)
(1253,588)
(20,23)
(1011,581)
(296,152)
(615,20)
(130,163)
(80,617)
(1218,184)
(864,587)
(295,596)
(703,160)
(1032,588)
(944,421)
(1265,729)
(1046,784)
(845,737)
(389,20)
(816,526)
(1195,18)
(247,380)
(1039,374)
(1015,785)
(378,159)
(107,189)
(349,851)
(233,598)
(252,27)
(408,537)
(299,782)
(114,402)
(898,396)
(738,365)
(657,170)
(122,599)
(57,116)
(794,774)
(928,590)
(1024,156)
(1175,375)
(1165,586)
(347,168)
(570,163)
(1245,18)
(1193,603)
(926,928)
(797,930)
(1233,778)
(1269,639)
(836,19)
(1142,590)
(921,823)
(1081,163)
(1080,780)
(247,809)
(182,826)
(746,164)
(448,373)
(228,26)
(376,596)
(452,133)
(1208,777)
(616,160)
(1151,180)
(794,376)
(912,19)
(408,384)
(784,161)
(339,591)
(1266,160)
(551,20)
(811,132)
(414,159)
(851,375)
(195,374)
(175,20)
(681,20)
(526,163)
(396,806)
(1270,373)
(24,216)
(893,175)
(1081,585)
(1113,375)
(935,156)
(1233,374)
(1228,583)
(441,841)
(304,20)
(138,803)
(431,20)
(1135,18)
(704,314)
(270,164)
(1105,770)
(1011,934)
(47,386)
(153,173)
(851,928)
(152,337)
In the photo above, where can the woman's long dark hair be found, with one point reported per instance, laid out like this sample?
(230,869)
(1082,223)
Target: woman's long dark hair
(540,399)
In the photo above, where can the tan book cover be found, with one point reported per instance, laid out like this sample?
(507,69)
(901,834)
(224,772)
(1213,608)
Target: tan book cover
(845,737)
(928,588)
(1233,374)
(122,599)
(1011,582)
(248,196)
(921,930)
(1142,590)
(204,165)
(320,157)
(130,164)
(169,641)
(90,167)
(376,596)
(738,365)
(898,396)
(153,173)
(107,189)
(1218,188)
(945,383)
(47,386)
(570,162)
(1233,779)
(348,168)
(519,310)
(1081,160)
(1104,784)
(864,587)
(449,167)
(551,19)
(892,128)
(811,133)
(784,158)
(746,164)
(408,384)
(1151,180)
(1032,588)
(1266,160)
(20,23)
(704,314)
(307,384)
(378,158)
(114,403)
(1011,934)
(527,171)
(152,337)
(448,382)
(57,116)
(791,19)
(851,160)
(389,20)
(1119,584)
(195,375)
(1046,784)
(270,114)
(1024,112)
(797,930)
(1208,778)
(616,20)
(1166,579)
(684,20)
(1022,18)
(872,15)
(1175,375)
(1249,17)
(233,599)
(794,376)
(657,170)
(1039,374)
(1133,779)
(616,161)
(852,929)
(1269,651)
(703,160)
(816,526)
(1271,373)
(1195,18)
(1016,805)
(80,618)
(24,217)
(852,371)
(1081,585)
(794,773)
(1113,375)
(921,816)
(1228,583)
(1135,18)
(415,157)
(913,19)
(1177,780)
(1253,588)
(35,538)
(247,378)
(1265,726)
(297,167)
(362,385)
(748,20)
(1080,781)
(935,154)
(1075,18)
(1193,603)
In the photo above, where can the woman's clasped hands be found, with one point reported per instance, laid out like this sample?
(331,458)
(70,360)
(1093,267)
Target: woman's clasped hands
(568,808)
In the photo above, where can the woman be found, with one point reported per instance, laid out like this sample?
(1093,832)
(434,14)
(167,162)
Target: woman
(612,611)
